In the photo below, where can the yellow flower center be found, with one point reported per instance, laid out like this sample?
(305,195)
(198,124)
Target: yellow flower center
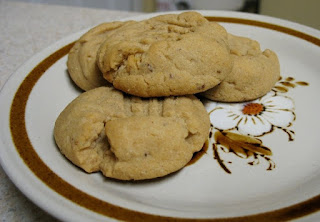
(253,109)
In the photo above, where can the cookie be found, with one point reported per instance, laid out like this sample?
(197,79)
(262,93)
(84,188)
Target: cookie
(130,138)
(82,65)
(253,75)
(166,55)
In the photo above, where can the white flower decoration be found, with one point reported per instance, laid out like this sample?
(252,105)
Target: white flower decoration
(254,118)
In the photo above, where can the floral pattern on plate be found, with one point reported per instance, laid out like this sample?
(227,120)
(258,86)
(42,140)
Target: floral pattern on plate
(236,126)
(254,118)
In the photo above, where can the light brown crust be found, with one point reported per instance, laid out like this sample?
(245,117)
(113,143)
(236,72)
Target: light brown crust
(253,75)
(130,138)
(82,65)
(166,55)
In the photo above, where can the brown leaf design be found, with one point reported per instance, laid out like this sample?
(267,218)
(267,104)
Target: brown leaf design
(241,144)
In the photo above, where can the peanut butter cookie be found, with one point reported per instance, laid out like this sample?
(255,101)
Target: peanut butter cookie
(130,138)
(253,75)
(166,55)
(82,65)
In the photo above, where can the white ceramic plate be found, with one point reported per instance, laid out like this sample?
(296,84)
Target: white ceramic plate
(221,185)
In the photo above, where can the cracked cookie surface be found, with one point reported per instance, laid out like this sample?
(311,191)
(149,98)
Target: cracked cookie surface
(166,55)
(82,63)
(130,138)
(254,73)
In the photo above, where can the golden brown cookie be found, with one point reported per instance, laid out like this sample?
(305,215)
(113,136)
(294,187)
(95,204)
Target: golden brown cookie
(82,66)
(166,55)
(253,75)
(130,138)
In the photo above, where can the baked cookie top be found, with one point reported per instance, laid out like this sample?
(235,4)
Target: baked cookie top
(254,73)
(130,138)
(166,55)
(82,65)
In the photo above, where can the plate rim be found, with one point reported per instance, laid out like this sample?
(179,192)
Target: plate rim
(52,49)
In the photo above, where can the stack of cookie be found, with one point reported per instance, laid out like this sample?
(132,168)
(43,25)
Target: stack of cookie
(138,118)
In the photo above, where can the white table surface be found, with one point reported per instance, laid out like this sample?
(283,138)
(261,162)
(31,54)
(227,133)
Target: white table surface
(25,29)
